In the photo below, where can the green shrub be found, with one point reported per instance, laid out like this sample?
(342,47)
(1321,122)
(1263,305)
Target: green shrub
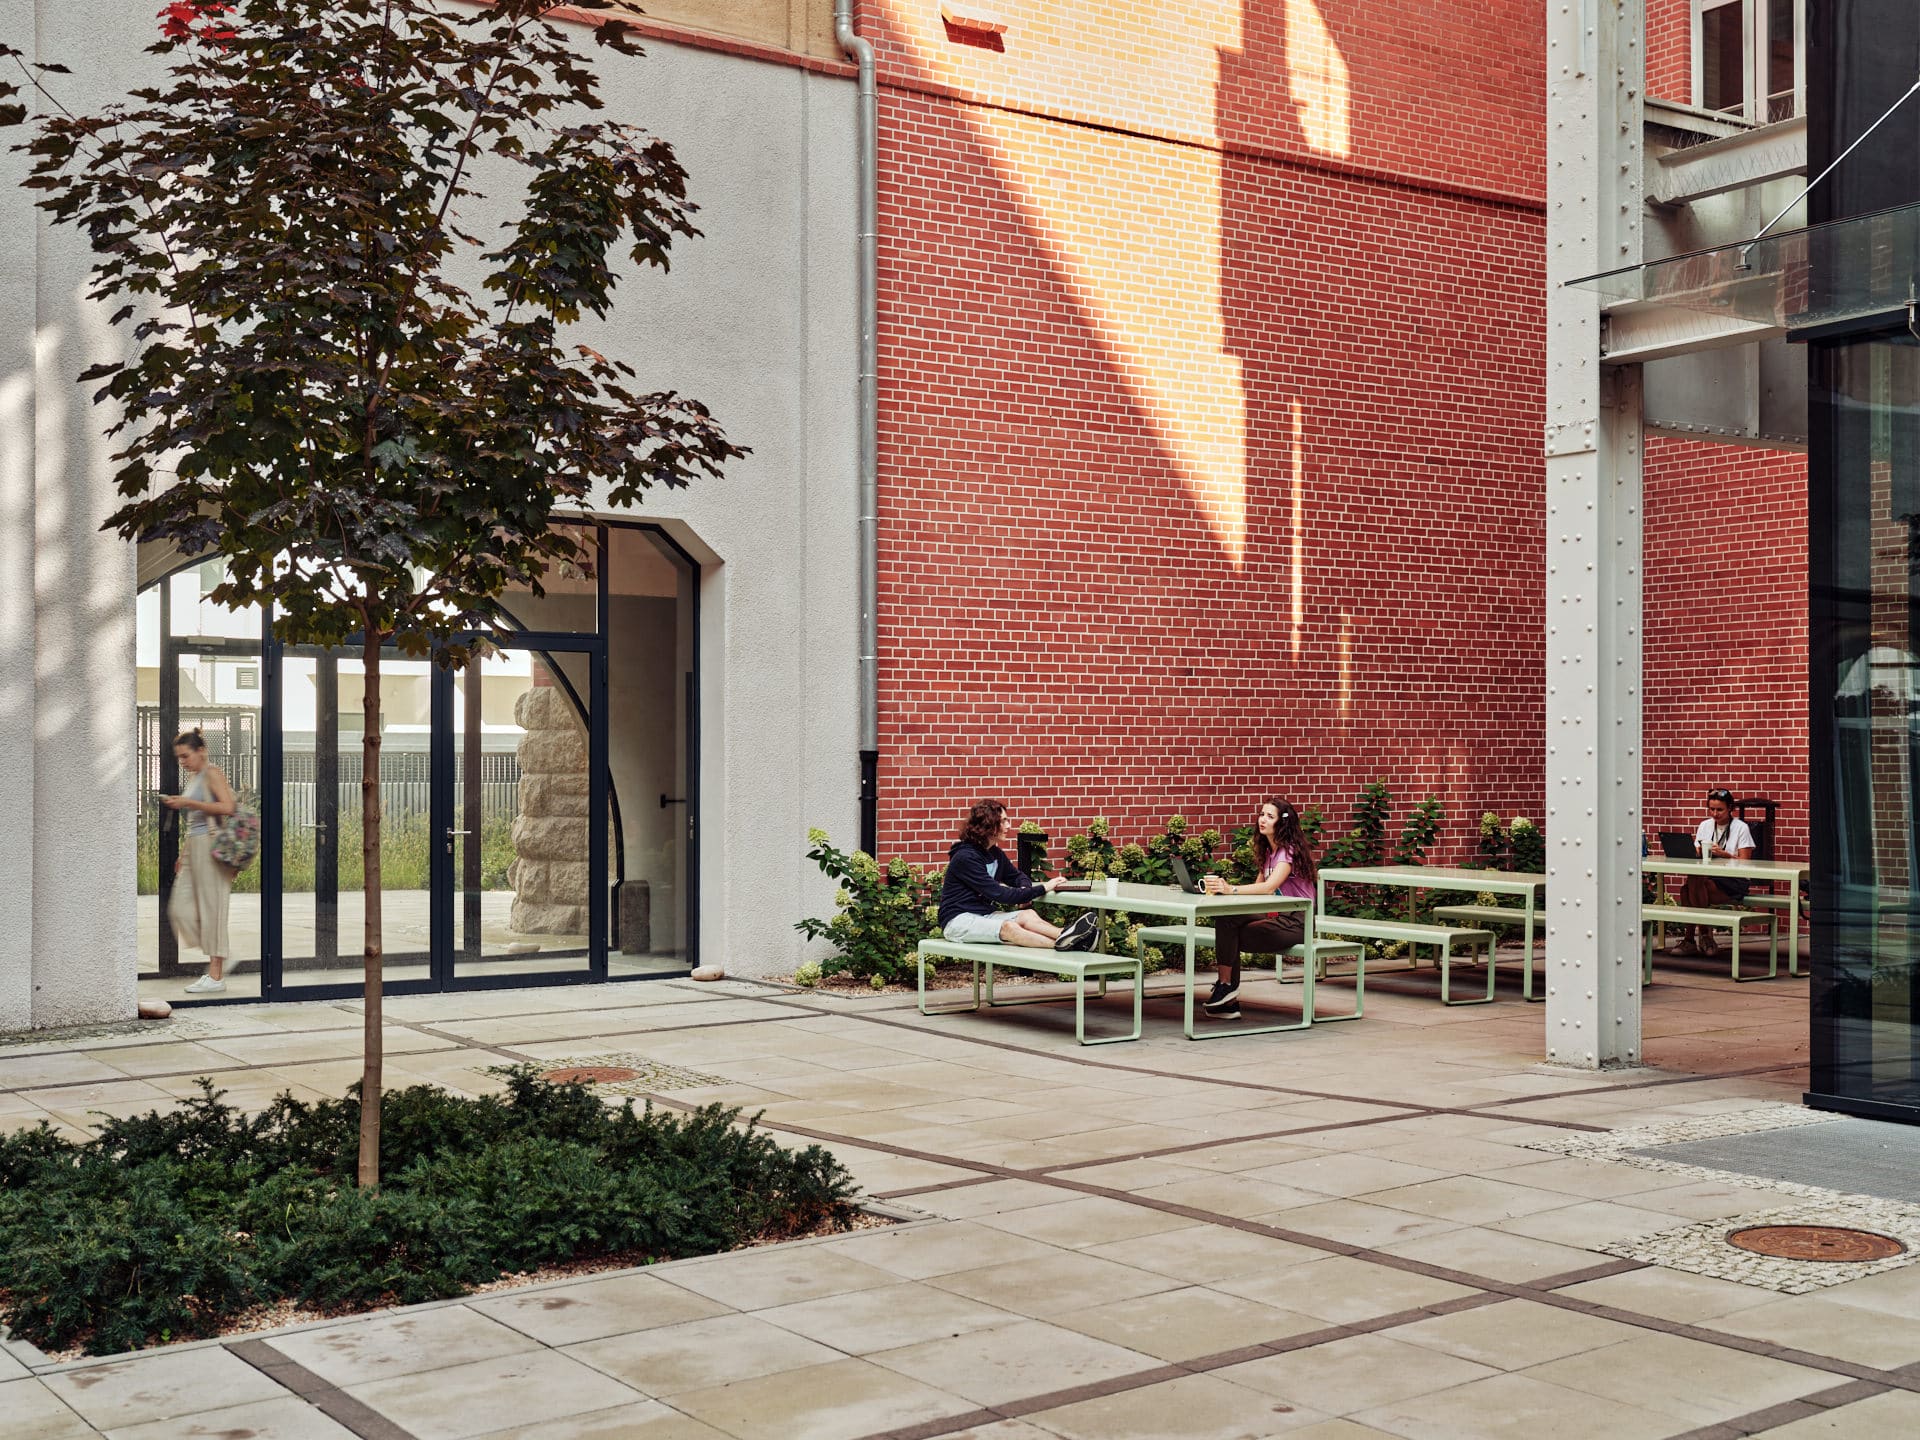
(880,915)
(165,1225)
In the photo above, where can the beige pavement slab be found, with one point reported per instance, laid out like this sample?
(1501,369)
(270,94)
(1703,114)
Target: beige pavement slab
(1469,1199)
(290,1418)
(1895,1292)
(1012,1362)
(160,1386)
(1513,1334)
(1343,1173)
(1516,1407)
(864,1321)
(1894,1415)
(1195,1407)
(1685,1378)
(1356,1222)
(646,1420)
(822,1402)
(1497,1254)
(1202,1254)
(1090,1220)
(1341,1289)
(1590,1223)
(987,1198)
(1061,1281)
(701,1353)
(401,1344)
(30,1410)
(1188,1323)
(592,1309)
(779,1275)
(467,1400)
(924,1251)
(1825,1326)
(1672,1294)
(1357,1373)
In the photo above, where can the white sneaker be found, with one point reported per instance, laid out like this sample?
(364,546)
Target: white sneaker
(206,985)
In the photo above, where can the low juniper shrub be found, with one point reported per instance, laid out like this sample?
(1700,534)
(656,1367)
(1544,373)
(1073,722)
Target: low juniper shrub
(164,1226)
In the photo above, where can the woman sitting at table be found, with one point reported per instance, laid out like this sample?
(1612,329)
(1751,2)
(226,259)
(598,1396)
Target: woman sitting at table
(1283,863)
(1721,836)
(980,879)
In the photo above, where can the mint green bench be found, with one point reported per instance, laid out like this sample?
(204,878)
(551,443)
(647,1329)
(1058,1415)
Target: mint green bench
(1441,938)
(1312,954)
(1078,966)
(1657,917)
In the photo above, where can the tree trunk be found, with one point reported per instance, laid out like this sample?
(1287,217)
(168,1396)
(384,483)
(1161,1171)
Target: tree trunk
(370,856)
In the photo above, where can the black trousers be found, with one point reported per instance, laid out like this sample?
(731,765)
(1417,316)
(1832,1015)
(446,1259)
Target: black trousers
(1260,934)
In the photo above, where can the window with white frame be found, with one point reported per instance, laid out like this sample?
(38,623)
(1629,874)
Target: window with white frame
(1749,59)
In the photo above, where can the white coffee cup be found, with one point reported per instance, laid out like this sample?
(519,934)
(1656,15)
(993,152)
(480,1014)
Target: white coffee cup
(1113,886)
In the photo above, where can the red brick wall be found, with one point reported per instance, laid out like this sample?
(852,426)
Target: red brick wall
(1726,632)
(1670,50)
(1093,434)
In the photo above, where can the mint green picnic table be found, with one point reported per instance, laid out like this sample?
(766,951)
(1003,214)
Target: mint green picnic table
(1176,904)
(1787,872)
(1527,884)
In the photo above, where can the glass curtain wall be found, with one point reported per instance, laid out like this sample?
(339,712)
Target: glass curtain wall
(1863,498)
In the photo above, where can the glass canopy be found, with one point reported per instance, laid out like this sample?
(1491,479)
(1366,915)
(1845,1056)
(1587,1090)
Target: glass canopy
(1842,275)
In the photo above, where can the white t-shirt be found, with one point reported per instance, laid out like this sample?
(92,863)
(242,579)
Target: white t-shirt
(1737,838)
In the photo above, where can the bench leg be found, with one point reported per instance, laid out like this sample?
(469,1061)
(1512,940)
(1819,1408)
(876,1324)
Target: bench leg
(1526,977)
(1446,965)
(1359,988)
(952,1009)
(1646,970)
(1773,954)
(1080,1008)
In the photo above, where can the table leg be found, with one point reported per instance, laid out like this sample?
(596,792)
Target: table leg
(1192,928)
(1526,981)
(1793,928)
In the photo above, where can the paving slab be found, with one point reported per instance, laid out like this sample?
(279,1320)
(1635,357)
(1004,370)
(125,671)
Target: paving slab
(461,1401)
(163,1385)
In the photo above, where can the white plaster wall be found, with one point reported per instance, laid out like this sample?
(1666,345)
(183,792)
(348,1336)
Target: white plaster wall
(756,319)
(66,614)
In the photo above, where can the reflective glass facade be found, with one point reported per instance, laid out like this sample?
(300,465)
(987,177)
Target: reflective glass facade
(1864,583)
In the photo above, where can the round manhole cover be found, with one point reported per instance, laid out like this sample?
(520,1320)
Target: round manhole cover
(591,1074)
(1816,1242)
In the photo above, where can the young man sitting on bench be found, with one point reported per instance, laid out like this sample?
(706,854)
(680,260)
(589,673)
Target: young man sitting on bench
(980,878)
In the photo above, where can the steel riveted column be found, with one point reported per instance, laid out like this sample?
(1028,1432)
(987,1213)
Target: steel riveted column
(1595,68)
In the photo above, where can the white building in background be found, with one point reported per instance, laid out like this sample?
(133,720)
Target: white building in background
(732,673)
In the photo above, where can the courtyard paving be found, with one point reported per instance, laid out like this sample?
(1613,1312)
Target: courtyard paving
(1342,1233)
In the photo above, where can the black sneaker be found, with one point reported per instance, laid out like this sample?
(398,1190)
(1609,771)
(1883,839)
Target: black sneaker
(1229,1011)
(1225,996)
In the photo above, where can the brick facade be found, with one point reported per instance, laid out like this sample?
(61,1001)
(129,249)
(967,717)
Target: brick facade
(1726,632)
(1211,395)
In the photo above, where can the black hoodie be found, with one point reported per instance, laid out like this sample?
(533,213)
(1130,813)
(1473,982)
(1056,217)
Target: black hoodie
(971,890)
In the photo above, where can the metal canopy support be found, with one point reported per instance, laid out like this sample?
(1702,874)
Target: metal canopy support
(1595,67)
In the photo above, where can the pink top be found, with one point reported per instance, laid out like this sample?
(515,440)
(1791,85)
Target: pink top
(1296,886)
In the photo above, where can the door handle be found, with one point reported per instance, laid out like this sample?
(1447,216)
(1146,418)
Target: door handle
(450,838)
(666,800)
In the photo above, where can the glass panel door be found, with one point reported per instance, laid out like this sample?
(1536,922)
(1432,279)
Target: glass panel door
(322,864)
(523,839)
(199,667)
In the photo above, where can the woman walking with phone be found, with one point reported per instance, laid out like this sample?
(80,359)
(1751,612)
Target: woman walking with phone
(202,886)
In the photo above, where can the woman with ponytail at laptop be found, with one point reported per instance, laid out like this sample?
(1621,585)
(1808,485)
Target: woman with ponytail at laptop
(1283,865)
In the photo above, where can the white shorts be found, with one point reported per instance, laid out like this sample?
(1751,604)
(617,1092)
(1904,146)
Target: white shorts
(975,929)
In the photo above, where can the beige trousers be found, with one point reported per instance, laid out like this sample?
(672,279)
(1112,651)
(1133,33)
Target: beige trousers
(201,889)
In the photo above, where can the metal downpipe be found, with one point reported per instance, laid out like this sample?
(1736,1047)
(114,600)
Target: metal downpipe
(867,245)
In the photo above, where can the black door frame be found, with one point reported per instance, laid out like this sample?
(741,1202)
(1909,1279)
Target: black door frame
(272,656)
